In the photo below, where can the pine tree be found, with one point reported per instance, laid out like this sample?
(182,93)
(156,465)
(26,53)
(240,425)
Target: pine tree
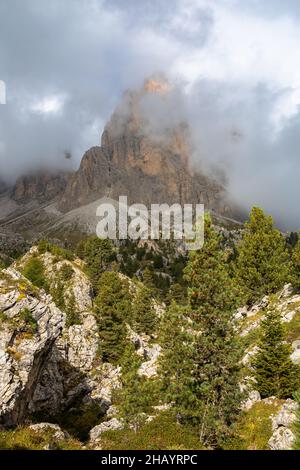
(296,265)
(176,364)
(133,398)
(34,270)
(112,309)
(177,293)
(98,254)
(144,314)
(296,427)
(148,279)
(215,399)
(274,372)
(263,265)
(73,316)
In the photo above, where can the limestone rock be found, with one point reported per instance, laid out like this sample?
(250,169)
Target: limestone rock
(25,345)
(295,356)
(57,431)
(254,397)
(104,381)
(282,439)
(113,424)
(149,368)
(82,344)
(286,415)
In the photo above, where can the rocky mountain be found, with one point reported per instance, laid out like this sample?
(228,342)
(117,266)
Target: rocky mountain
(42,186)
(134,161)
(146,164)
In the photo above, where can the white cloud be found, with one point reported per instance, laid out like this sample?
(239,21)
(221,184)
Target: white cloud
(48,105)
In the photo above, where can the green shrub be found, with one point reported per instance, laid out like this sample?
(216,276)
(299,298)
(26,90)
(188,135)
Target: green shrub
(163,433)
(31,325)
(66,272)
(34,270)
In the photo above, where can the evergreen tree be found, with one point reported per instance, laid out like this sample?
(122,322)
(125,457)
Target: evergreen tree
(296,427)
(112,309)
(34,270)
(73,316)
(296,265)
(148,279)
(263,265)
(98,254)
(57,293)
(133,398)
(144,314)
(292,239)
(215,397)
(274,372)
(176,363)
(177,293)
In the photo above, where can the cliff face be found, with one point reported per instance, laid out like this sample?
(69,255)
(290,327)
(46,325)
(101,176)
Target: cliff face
(136,161)
(42,186)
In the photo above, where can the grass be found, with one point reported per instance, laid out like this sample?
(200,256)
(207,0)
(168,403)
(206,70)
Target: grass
(163,433)
(28,439)
(254,428)
(293,328)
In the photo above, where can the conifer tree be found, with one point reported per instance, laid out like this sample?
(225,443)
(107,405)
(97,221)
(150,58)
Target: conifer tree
(177,293)
(215,399)
(73,316)
(133,398)
(176,364)
(34,270)
(296,265)
(274,372)
(112,309)
(144,314)
(97,253)
(148,279)
(296,427)
(263,264)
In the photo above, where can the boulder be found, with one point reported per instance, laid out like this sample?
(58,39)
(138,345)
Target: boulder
(282,439)
(295,356)
(113,424)
(286,415)
(254,397)
(44,427)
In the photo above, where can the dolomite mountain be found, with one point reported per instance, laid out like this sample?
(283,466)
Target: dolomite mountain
(147,168)
(146,165)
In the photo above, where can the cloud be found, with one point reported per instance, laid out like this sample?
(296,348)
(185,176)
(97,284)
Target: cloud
(235,65)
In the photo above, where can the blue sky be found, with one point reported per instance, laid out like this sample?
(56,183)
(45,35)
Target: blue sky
(236,64)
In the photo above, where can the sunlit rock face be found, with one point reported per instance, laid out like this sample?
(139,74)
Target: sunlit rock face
(144,157)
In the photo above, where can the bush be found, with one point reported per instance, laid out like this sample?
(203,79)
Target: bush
(34,270)
(163,433)
(31,325)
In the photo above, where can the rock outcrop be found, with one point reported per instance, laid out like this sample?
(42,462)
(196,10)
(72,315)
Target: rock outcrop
(30,325)
(42,186)
(282,423)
